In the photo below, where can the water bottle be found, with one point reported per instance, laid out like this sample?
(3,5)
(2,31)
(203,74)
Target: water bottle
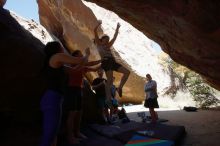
(150,133)
(146,132)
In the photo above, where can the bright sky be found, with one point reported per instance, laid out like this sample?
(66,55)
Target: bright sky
(25,8)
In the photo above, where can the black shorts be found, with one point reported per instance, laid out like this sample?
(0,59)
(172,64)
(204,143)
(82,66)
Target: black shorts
(73,99)
(151,103)
(109,63)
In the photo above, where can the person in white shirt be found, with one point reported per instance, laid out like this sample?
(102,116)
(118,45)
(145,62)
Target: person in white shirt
(150,89)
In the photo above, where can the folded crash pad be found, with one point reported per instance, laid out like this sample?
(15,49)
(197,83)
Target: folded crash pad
(138,140)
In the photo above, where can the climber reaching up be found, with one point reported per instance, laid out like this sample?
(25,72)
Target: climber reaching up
(108,63)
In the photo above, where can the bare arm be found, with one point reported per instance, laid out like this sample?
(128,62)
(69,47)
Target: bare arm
(97,41)
(92,63)
(115,36)
(87,53)
(93,69)
(75,67)
(67,59)
(60,59)
(84,65)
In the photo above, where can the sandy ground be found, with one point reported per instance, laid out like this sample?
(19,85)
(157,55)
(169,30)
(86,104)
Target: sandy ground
(202,127)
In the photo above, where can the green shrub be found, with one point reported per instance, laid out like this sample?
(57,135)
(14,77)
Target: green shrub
(202,93)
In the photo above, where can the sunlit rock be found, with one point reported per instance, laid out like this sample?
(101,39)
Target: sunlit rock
(189,31)
(73,23)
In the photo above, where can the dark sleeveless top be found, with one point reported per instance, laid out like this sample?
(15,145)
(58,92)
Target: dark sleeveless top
(56,78)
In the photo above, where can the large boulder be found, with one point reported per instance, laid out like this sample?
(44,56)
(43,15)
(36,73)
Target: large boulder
(189,31)
(22,58)
(73,23)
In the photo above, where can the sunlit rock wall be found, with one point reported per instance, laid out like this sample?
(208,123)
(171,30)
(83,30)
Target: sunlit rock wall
(73,23)
(188,30)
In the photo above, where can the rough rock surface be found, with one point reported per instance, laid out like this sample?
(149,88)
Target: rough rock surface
(189,31)
(21,62)
(22,82)
(73,23)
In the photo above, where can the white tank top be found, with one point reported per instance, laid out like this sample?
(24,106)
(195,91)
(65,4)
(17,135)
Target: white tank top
(104,52)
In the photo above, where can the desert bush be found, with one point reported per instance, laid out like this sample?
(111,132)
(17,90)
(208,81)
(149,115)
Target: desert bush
(202,93)
(188,80)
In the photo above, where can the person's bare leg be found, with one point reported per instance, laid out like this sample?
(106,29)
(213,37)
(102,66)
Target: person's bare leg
(153,115)
(70,127)
(111,111)
(156,115)
(106,113)
(70,124)
(109,75)
(77,121)
(124,78)
(103,114)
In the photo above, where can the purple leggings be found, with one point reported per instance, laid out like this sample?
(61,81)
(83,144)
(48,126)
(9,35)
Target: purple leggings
(51,106)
